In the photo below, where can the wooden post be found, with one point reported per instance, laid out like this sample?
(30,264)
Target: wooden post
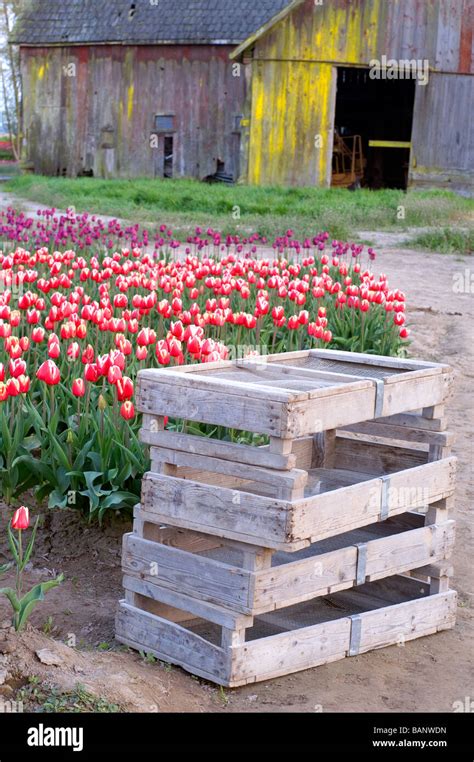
(438,512)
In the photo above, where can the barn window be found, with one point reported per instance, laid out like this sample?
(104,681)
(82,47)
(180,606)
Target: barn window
(107,137)
(238,122)
(164,123)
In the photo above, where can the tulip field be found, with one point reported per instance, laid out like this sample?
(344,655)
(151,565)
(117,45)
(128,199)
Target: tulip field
(85,304)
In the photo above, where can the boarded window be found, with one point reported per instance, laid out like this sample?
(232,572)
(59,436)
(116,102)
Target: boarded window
(107,138)
(164,123)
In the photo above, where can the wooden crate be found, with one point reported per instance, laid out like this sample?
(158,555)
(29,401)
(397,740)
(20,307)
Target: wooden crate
(334,482)
(253,580)
(293,394)
(248,562)
(233,650)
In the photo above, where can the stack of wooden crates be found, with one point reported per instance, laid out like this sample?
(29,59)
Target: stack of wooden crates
(249,562)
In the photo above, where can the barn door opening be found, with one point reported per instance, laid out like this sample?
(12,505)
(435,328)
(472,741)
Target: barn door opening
(372,130)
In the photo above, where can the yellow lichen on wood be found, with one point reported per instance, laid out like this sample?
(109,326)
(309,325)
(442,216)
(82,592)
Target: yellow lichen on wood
(291,114)
(293,83)
(131,93)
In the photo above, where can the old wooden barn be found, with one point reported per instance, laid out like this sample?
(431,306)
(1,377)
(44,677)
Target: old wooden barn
(143,88)
(317,116)
(309,92)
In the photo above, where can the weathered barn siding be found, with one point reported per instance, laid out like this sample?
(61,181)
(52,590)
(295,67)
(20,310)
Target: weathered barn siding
(294,79)
(354,31)
(286,120)
(93,107)
(443,133)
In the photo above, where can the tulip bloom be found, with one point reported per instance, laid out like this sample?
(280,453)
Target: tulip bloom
(21,518)
(49,373)
(37,335)
(91,373)
(79,387)
(127,411)
(13,387)
(24,384)
(141,353)
(114,374)
(125,389)
(54,350)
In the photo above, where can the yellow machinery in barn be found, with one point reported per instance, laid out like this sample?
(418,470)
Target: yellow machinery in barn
(348,162)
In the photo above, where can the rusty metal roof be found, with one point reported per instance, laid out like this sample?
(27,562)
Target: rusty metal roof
(49,22)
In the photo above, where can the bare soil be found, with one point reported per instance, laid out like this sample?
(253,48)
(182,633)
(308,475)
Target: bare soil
(426,675)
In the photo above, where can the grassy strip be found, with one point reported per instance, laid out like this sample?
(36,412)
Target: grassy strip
(270,211)
(446,241)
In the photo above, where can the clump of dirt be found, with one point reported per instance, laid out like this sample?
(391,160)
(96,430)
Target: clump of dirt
(118,680)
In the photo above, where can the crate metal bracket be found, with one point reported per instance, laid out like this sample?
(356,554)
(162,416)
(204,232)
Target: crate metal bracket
(361,562)
(379,395)
(385,509)
(356,631)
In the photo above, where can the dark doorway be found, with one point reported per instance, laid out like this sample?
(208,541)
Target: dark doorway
(377,110)
(168,145)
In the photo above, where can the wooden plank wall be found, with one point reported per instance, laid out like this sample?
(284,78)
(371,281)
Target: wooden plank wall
(78,99)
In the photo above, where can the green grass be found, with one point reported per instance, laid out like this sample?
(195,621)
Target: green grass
(270,211)
(446,241)
(38,696)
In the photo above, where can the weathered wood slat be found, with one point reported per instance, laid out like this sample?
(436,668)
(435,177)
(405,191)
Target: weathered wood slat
(216,510)
(301,419)
(185,539)
(380,429)
(405,551)
(280,654)
(413,420)
(415,391)
(136,598)
(171,643)
(216,383)
(238,453)
(187,604)
(297,581)
(406,621)
(378,459)
(261,415)
(395,363)
(187,572)
(421,486)
(283,482)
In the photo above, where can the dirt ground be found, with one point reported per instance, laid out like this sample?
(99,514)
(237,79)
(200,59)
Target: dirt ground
(426,675)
